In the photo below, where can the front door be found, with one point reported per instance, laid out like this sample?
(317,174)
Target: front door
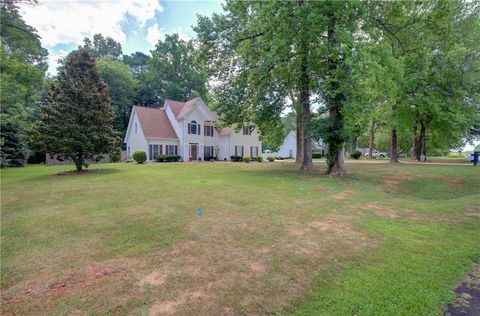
(193,152)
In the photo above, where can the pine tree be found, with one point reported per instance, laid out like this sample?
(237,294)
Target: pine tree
(76,121)
(12,148)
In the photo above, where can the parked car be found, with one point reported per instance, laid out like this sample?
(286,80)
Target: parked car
(377,154)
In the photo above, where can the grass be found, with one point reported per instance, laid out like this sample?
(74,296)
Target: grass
(385,240)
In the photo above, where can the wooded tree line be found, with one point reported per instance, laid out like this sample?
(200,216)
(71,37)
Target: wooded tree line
(349,72)
(411,68)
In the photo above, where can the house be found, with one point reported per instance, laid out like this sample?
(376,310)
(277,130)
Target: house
(187,129)
(288,149)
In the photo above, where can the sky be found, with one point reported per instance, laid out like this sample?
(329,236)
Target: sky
(136,24)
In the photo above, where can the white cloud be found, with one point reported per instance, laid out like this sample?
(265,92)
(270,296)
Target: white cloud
(71,21)
(53,60)
(181,33)
(155,33)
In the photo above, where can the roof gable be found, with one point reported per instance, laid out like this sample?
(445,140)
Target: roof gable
(181,109)
(154,123)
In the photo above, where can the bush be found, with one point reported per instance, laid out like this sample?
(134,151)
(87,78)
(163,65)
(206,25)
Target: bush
(236,158)
(316,155)
(167,158)
(271,158)
(116,156)
(356,155)
(209,158)
(259,159)
(246,159)
(139,156)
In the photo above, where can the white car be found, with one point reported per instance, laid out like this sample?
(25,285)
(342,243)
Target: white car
(377,154)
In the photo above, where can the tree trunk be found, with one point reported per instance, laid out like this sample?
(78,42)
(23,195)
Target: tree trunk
(306,163)
(79,161)
(413,151)
(421,142)
(336,165)
(372,139)
(354,144)
(394,147)
(300,123)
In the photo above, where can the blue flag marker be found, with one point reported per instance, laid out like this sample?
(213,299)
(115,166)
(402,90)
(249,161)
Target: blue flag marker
(199,212)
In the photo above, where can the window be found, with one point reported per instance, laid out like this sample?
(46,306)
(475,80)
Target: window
(208,130)
(253,151)
(247,130)
(193,128)
(171,149)
(154,150)
(239,151)
(208,152)
(135,128)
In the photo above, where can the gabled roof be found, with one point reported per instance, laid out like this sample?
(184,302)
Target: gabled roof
(154,123)
(180,109)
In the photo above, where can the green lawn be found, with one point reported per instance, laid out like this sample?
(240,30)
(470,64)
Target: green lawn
(385,240)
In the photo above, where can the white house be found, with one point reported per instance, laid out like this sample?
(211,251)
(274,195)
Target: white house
(187,129)
(288,149)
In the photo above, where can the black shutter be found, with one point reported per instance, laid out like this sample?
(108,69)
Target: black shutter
(149,152)
(188,128)
(198,129)
(160,152)
(176,150)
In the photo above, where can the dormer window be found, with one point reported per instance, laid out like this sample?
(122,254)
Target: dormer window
(193,127)
(247,130)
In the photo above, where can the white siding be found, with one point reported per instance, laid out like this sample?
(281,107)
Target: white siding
(289,146)
(224,147)
(202,140)
(238,139)
(135,140)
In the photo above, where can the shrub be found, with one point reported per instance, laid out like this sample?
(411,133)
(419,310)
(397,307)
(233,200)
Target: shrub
(209,158)
(139,156)
(246,159)
(259,159)
(116,156)
(356,154)
(271,158)
(316,155)
(236,158)
(167,158)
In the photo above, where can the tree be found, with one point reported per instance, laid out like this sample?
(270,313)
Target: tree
(105,47)
(137,62)
(258,56)
(22,71)
(122,89)
(76,122)
(12,149)
(438,87)
(172,73)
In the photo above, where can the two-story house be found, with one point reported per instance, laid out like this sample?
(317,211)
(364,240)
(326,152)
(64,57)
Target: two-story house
(187,129)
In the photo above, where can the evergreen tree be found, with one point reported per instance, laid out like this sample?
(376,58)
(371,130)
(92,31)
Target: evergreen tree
(12,147)
(76,122)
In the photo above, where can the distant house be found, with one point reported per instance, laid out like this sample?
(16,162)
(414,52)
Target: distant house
(187,129)
(288,149)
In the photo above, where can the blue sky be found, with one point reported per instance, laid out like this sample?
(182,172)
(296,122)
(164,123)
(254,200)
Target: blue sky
(136,24)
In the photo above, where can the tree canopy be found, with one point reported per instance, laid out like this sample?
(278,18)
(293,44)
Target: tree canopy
(77,120)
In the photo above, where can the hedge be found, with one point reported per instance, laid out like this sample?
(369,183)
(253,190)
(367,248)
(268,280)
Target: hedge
(167,158)
(139,156)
